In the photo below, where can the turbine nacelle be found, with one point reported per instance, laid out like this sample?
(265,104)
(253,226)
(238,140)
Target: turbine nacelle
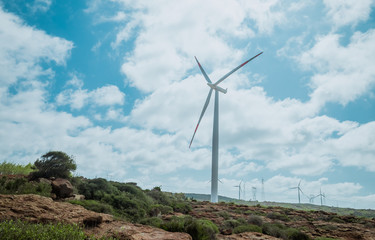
(215,87)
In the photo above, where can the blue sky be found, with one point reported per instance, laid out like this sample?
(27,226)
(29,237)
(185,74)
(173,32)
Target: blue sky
(115,84)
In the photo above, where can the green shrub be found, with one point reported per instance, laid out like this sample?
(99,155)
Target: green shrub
(94,205)
(176,224)
(20,230)
(160,197)
(278,216)
(230,224)
(198,229)
(337,220)
(274,229)
(23,186)
(294,234)
(13,169)
(247,228)
(202,230)
(224,214)
(182,207)
(157,209)
(255,220)
(282,231)
(152,221)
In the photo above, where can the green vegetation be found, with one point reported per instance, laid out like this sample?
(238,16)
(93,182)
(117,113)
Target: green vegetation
(247,228)
(255,220)
(126,200)
(278,216)
(200,229)
(15,169)
(281,231)
(54,164)
(20,230)
(21,185)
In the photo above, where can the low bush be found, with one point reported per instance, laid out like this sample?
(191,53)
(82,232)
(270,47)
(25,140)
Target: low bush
(224,214)
(94,205)
(282,231)
(202,230)
(274,229)
(255,220)
(198,229)
(337,220)
(181,207)
(152,221)
(14,169)
(23,186)
(10,230)
(230,224)
(295,234)
(278,216)
(158,209)
(176,224)
(247,228)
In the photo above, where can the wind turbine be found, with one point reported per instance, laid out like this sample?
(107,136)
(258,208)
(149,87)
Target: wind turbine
(215,134)
(321,195)
(299,190)
(239,190)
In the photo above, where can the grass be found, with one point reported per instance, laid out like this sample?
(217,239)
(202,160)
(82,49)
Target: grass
(22,230)
(30,231)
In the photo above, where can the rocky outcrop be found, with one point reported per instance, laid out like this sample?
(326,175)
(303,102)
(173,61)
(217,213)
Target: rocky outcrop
(62,188)
(35,208)
(38,209)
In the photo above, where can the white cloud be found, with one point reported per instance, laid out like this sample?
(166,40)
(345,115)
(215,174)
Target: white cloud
(40,5)
(23,47)
(356,147)
(173,32)
(348,12)
(78,98)
(342,73)
(120,16)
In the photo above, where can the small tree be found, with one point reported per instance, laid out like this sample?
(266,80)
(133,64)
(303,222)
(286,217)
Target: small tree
(54,164)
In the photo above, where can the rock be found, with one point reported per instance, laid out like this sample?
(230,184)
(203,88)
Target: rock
(44,180)
(76,197)
(92,221)
(35,208)
(62,188)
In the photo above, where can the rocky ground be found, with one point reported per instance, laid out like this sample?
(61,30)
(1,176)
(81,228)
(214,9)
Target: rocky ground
(35,208)
(313,223)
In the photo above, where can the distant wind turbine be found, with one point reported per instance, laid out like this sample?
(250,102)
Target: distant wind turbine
(321,195)
(215,135)
(239,190)
(299,190)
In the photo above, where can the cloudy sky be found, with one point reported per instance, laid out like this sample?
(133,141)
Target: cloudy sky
(115,84)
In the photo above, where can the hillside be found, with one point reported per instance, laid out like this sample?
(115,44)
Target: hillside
(369,213)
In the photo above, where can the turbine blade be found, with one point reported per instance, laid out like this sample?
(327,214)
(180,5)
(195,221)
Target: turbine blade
(202,113)
(228,74)
(203,72)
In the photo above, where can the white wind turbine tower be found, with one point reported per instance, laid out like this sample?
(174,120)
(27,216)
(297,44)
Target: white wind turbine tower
(215,135)
(239,190)
(299,190)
